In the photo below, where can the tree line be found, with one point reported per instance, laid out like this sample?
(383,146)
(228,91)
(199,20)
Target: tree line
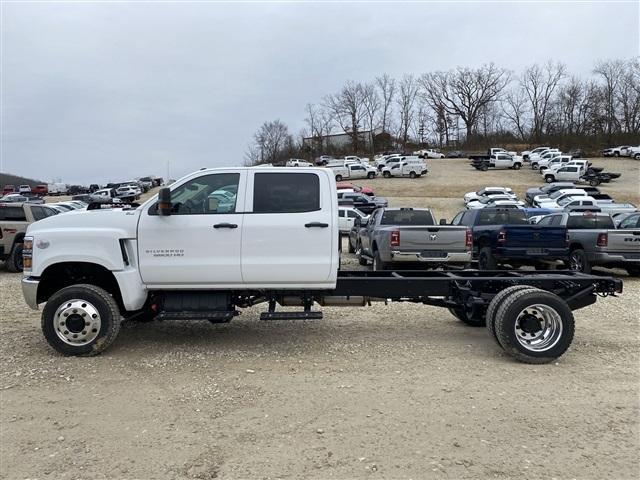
(465,108)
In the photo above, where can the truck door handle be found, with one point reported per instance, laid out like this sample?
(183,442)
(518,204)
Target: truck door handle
(225,225)
(316,224)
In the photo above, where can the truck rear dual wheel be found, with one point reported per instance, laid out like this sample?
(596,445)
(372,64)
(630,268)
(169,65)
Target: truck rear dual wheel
(81,320)
(412,174)
(534,326)
(496,303)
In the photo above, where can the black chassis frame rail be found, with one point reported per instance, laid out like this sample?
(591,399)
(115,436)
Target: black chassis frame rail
(473,289)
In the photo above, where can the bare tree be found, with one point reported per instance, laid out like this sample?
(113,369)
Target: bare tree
(539,83)
(611,72)
(320,123)
(372,105)
(347,107)
(628,96)
(407,94)
(271,142)
(465,92)
(387,86)
(514,108)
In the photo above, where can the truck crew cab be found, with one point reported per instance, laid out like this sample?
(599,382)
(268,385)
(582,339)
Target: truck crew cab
(219,240)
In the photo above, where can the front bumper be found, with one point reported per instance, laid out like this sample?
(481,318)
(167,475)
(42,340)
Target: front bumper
(448,257)
(30,291)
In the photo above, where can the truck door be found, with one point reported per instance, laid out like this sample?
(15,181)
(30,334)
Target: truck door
(290,232)
(357,171)
(199,243)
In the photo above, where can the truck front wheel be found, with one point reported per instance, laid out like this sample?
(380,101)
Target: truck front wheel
(412,174)
(81,320)
(338,178)
(534,326)
(371,175)
(386,174)
(14,262)
(549,179)
(516,166)
(578,261)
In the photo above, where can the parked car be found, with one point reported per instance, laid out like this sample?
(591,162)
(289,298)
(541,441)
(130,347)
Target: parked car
(488,192)
(429,153)
(17,198)
(527,153)
(627,220)
(347,187)
(24,189)
(505,237)
(573,173)
(490,151)
(616,151)
(634,152)
(554,163)
(499,160)
(109,194)
(495,201)
(412,237)
(364,203)
(323,159)
(456,154)
(127,193)
(552,199)
(544,156)
(297,162)
(40,190)
(594,241)
(347,217)
(353,170)
(404,169)
(7,189)
(57,189)
(548,189)
(14,220)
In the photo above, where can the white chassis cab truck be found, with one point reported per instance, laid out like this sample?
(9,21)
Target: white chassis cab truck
(220,240)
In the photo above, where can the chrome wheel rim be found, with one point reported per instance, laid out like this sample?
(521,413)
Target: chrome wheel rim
(538,327)
(77,322)
(575,263)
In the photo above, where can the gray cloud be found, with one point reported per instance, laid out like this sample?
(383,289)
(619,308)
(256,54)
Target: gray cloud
(98,92)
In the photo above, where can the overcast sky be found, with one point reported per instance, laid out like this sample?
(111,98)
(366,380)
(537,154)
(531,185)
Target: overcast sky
(96,92)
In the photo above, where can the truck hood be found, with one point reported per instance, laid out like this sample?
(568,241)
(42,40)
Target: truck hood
(123,221)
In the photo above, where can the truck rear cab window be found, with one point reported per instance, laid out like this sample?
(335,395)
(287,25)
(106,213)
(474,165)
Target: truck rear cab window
(286,192)
(404,218)
(206,195)
(590,222)
(14,214)
(502,217)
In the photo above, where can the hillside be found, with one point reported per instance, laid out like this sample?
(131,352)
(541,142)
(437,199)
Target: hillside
(8,179)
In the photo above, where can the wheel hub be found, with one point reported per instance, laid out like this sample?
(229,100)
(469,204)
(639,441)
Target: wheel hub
(538,327)
(77,322)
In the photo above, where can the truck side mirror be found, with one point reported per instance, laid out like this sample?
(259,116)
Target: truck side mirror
(164,202)
(443,221)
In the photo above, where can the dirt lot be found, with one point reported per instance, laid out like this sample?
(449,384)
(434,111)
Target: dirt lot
(398,391)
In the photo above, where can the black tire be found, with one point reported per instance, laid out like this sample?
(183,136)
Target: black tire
(495,304)
(616,154)
(518,326)
(378,264)
(517,166)
(362,261)
(371,175)
(338,178)
(472,317)
(96,297)
(351,248)
(486,260)
(484,168)
(549,178)
(578,261)
(594,182)
(386,174)
(412,174)
(14,262)
(534,166)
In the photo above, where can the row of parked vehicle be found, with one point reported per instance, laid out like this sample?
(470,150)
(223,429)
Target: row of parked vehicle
(353,167)
(622,151)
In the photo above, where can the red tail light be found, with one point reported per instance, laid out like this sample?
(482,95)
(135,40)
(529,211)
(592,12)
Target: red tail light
(502,236)
(395,238)
(603,240)
(469,239)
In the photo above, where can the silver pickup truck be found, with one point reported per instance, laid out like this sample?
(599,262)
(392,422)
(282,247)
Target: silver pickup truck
(411,236)
(594,241)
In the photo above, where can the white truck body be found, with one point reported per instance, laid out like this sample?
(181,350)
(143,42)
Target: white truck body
(405,168)
(353,171)
(57,189)
(188,250)
(347,217)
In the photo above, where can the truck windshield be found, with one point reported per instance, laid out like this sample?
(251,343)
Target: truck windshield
(502,217)
(407,218)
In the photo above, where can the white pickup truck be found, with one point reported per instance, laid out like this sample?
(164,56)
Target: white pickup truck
(353,171)
(183,256)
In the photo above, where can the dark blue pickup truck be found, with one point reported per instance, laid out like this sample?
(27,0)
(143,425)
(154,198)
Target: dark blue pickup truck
(504,236)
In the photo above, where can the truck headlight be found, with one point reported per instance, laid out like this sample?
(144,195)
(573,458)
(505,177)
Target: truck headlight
(27,254)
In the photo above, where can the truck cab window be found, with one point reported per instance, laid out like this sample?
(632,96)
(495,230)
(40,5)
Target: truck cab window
(277,193)
(209,194)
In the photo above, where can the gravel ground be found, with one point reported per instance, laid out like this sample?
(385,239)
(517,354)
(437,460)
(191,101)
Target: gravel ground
(399,391)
